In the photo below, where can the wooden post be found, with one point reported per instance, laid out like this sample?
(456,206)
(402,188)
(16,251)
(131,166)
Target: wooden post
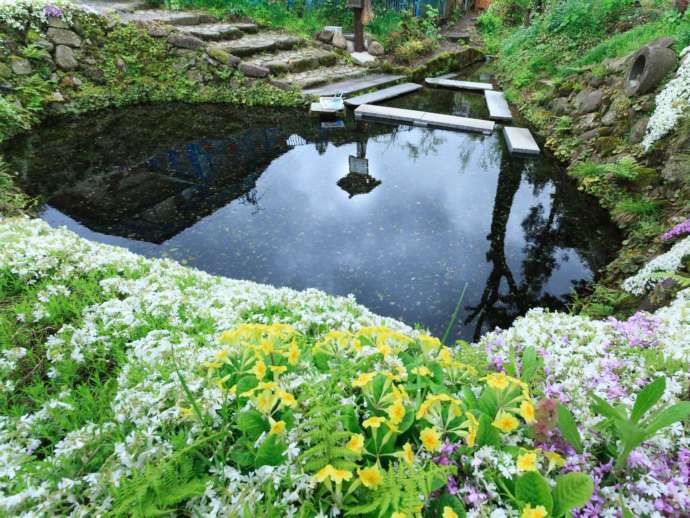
(359,30)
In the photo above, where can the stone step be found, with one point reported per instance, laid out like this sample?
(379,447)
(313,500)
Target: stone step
(257,43)
(104,7)
(383,95)
(360,83)
(296,60)
(213,31)
(168,17)
(520,141)
(424,119)
(458,85)
(249,28)
(322,76)
(498,106)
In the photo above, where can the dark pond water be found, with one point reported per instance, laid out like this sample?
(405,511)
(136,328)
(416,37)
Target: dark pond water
(276,197)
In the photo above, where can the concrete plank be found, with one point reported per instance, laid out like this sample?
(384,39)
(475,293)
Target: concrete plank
(458,85)
(420,118)
(382,95)
(352,86)
(520,141)
(498,106)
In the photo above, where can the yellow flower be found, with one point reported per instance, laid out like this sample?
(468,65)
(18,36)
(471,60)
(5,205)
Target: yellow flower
(396,412)
(336,475)
(527,412)
(449,513)
(259,369)
(373,422)
(445,357)
(384,349)
(278,427)
(370,477)
(429,343)
(431,439)
(278,369)
(421,371)
(264,402)
(286,398)
(505,422)
(555,460)
(534,512)
(398,515)
(408,454)
(266,346)
(363,379)
(472,429)
(527,462)
(356,443)
(186,412)
(497,380)
(293,355)
(423,409)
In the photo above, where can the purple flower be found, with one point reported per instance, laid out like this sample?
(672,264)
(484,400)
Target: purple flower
(640,330)
(678,230)
(52,11)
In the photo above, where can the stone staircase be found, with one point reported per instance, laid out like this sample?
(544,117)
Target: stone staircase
(285,59)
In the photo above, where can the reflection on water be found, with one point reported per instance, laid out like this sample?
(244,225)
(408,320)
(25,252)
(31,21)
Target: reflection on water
(401,217)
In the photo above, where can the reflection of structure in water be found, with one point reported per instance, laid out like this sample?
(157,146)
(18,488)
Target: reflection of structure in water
(355,183)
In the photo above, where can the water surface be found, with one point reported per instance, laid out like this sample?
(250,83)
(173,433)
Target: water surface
(280,198)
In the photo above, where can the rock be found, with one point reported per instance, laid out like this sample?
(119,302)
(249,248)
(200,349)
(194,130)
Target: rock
(664,42)
(560,105)
(376,49)
(94,74)
(158,30)
(55,97)
(676,169)
(363,59)
(20,66)
(648,68)
(64,58)
(45,45)
(339,40)
(638,130)
(185,41)
(195,76)
(5,71)
(350,46)
(326,36)
(120,64)
(64,37)
(587,122)
(589,135)
(588,101)
(222,57)
(251,70)
(57,22)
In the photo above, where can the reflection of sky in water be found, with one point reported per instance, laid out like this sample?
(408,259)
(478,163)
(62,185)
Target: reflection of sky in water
(405,249)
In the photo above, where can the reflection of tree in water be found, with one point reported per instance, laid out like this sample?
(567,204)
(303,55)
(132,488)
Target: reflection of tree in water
(427,145)
(544,233)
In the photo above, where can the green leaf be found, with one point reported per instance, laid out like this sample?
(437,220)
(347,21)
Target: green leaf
(488,402)
(572,490)
(529,364)
(246,383)
(252,424)
(532,488)
(603,408)
(446,500)
(666,417)
(487,434)
(568,428)
(270,452)
(647,398)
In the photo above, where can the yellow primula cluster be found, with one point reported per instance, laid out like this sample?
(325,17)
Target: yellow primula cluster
(513,397)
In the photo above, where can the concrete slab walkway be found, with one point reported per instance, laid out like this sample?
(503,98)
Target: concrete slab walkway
(498,106)
(352,86)
(424,119)
(520,141)
(458,85)
(382,95)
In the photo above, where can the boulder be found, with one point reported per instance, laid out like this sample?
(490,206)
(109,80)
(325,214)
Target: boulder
(55,97)
(376,49)
(222,56)
(587,122)
(45,45)
(676,169)
(185,41)
(363,59)
(94,74)
(560,105)
(20,66)
(195,76)
(638,130)
(251,70)
(339,40)
(588,101)
(648,68)
(326,36)
(57,22)
(5,70)
(64,58)
(64,37)
(159,30)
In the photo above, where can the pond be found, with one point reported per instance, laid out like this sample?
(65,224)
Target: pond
(406,219)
